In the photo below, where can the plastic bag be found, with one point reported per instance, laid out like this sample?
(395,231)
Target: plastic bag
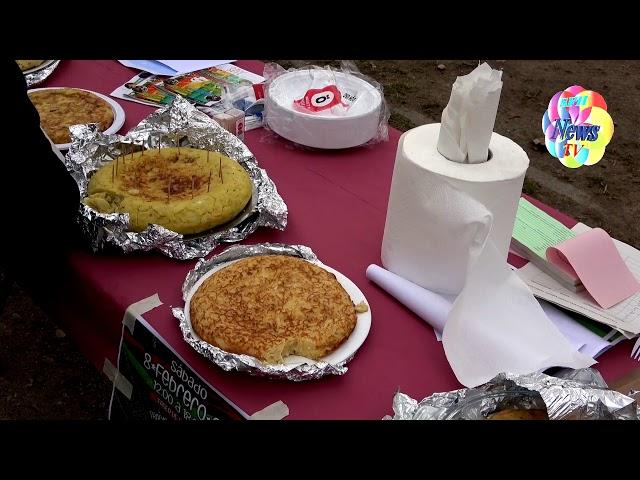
(325,107)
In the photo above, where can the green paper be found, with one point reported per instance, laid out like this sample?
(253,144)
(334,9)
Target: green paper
(538,231)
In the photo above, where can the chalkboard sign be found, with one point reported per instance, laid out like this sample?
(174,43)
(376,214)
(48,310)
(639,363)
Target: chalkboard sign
(158,385)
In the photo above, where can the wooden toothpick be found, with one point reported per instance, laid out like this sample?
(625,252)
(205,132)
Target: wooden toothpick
(113,171)
(220,169)
(209,184)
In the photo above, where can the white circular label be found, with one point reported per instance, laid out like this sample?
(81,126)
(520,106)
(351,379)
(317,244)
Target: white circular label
(322,98)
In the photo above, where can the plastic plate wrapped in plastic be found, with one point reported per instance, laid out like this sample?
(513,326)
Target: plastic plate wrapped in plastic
(325,108)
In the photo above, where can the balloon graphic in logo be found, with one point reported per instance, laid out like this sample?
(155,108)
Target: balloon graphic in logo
(579,108)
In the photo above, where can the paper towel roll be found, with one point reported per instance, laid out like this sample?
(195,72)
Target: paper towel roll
(448,229)
(426,240)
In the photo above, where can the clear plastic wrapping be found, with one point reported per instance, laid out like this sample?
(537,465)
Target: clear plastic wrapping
(324,107)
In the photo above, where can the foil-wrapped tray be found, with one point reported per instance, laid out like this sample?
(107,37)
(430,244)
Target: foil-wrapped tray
(569,395)
(177,124)
(245,363)
(38,74)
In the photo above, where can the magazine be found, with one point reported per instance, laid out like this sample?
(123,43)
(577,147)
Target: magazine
(145,88)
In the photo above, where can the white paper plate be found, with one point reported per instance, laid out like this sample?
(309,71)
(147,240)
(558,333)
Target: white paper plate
(118,112)
(322,130)
(347,349)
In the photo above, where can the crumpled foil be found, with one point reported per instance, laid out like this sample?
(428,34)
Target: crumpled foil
(177,124)
(40,75)
(570,395)
(246,363)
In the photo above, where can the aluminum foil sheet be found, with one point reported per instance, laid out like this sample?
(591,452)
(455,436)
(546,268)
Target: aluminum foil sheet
(177,124)
(245,363)
(569,395)
(34,78)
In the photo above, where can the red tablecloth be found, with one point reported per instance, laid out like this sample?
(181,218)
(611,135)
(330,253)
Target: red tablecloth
(337,204)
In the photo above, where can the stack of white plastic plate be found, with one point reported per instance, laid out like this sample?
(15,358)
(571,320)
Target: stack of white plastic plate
(358,125)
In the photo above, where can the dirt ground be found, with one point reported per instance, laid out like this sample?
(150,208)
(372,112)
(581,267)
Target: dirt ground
(42,374)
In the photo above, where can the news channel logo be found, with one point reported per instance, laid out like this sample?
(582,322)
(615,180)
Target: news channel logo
(577,127)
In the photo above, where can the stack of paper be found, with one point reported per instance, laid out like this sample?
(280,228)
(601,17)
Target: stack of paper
(533,232)
(586,261)
(624,316)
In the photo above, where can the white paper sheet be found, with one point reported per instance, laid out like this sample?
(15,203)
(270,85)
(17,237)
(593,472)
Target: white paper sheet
(186,66)
(151,66)
(586,341)
(171,68)
(432,307)
(624,316)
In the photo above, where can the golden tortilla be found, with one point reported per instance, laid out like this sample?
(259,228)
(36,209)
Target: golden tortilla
(185,190)
(273,306)
(29,64)
(62,107)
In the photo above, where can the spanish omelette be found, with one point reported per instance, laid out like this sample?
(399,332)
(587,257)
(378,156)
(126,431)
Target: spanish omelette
(183,189)
(60,108)
(29,64)
(273,306)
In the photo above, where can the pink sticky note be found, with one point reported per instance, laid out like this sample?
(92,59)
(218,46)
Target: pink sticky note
(594,259)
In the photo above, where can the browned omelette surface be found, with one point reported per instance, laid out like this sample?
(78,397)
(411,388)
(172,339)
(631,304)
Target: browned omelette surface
(273,306)
(29,64)
(186,190)
(62,107)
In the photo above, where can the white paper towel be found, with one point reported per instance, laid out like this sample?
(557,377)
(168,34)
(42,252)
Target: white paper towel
(448,229)
(434,309)
(468,118)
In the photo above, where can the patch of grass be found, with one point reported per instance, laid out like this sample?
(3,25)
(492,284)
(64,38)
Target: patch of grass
(394,90)
(530,187)
(401,122)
